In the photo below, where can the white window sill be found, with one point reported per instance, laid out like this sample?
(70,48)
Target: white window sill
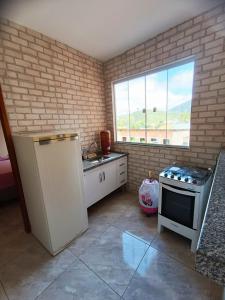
(152,145)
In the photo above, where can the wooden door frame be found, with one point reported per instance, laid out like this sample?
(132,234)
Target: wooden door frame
(12,156)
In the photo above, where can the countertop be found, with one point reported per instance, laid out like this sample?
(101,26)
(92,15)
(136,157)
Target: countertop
(210,255)
(88,165)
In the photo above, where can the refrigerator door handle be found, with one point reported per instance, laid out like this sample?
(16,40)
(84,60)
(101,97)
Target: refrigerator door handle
(103,176)
(44,142)
(61,139)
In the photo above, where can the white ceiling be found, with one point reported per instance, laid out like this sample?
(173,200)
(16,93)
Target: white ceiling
(102,28)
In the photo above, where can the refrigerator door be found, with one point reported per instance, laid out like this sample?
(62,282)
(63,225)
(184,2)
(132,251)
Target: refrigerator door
(61,176)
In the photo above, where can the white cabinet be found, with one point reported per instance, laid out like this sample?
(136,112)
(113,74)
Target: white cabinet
(102,180)
(92,186)
(109,183)
(121,171)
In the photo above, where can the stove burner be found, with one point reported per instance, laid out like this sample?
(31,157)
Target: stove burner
(195,176)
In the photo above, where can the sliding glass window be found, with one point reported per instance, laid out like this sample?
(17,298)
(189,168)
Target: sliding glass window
(155,107)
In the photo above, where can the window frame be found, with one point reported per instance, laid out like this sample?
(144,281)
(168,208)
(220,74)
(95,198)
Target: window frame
(145,73)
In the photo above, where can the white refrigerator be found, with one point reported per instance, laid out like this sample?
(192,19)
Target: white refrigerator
(51,171)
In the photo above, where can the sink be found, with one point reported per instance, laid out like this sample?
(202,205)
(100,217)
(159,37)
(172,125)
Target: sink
(98,159)
(94,161)
(104,157)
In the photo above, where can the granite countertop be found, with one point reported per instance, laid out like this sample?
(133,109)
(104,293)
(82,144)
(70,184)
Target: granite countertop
(210,255)
(88,165)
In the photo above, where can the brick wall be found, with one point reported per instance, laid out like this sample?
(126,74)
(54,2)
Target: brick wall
(48,85)
(203,37)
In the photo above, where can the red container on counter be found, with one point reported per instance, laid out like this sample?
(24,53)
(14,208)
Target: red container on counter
(105,138)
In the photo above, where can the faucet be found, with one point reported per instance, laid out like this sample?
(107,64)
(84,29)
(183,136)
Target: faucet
(93,144)
(93,147)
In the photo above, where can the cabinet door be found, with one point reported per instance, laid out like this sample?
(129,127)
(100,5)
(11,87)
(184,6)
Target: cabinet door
(92,186)
(108,178)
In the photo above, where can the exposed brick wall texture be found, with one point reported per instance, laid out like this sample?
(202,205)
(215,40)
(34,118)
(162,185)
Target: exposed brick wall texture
(203,37)
(48,85)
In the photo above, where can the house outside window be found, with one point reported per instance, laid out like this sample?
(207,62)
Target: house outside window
(155,107)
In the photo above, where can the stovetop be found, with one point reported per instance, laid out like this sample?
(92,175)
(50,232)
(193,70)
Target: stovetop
(191,175)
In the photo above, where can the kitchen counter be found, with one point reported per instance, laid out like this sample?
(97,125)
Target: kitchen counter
(88,165)
(210,255)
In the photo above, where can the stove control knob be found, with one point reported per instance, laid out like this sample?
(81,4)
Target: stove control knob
(194,181)
(179,178)
(165,174)
(186,179)
(172,176)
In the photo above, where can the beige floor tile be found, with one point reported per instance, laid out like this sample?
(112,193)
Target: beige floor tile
(217,291)
(2,293)
(30,273)
(78,282)
(109,209)
(115,257)
(160,277)
(135,222)
(10,215)
(15,243)
(83,242)
(175,246)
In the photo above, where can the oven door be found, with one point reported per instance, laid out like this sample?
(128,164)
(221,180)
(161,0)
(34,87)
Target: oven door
(179,205)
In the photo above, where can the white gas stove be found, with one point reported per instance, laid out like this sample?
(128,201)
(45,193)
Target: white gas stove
(182,201)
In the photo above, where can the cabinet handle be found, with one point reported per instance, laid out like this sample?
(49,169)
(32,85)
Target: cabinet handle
(103,176)
(100,177)
(122,173)
(122,164)
(122,181)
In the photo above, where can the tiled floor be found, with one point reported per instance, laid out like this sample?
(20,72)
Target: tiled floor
(119,256)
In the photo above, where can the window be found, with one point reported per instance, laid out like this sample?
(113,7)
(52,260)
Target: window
(155,107)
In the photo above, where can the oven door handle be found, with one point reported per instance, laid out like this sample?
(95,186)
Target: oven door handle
(178,191)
